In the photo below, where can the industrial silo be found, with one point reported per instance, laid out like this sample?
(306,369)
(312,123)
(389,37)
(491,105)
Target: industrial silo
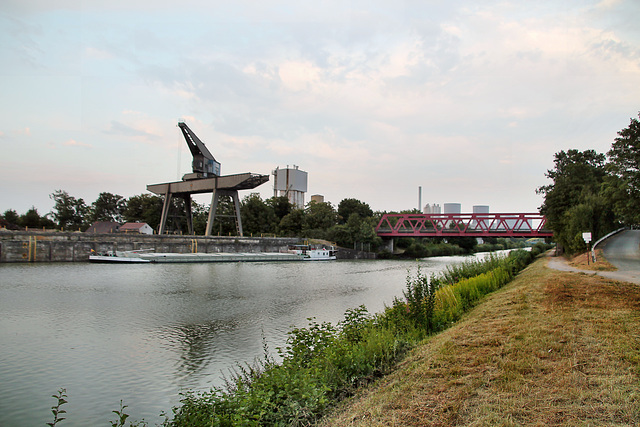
(452,208)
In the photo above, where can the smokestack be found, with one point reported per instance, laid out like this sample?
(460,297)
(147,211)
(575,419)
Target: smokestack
(420,198)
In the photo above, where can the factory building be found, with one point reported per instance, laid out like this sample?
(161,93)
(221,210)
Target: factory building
(481,209)
(432,209)
(290,183)
(452,208)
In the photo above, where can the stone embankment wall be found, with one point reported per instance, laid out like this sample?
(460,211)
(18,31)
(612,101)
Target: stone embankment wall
(54,246)
(354,254)
(58,246)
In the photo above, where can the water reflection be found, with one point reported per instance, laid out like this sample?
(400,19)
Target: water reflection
(196,343)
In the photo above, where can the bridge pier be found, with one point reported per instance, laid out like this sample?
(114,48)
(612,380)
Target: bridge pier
(387,245)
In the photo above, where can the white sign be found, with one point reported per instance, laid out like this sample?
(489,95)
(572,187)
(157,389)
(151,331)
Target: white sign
(586,237)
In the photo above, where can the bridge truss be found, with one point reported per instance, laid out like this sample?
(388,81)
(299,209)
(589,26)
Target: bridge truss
(463,225)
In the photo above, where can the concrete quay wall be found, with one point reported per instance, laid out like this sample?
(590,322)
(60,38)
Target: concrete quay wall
(56,246)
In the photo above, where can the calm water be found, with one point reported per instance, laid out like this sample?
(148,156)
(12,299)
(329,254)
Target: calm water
(144,333)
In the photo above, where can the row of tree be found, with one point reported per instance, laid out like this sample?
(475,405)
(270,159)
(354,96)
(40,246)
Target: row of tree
(594,192)
(352,222)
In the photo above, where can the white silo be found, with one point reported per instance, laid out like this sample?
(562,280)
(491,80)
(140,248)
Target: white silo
(291,183)
(480,209)
(452,208)
(431,209)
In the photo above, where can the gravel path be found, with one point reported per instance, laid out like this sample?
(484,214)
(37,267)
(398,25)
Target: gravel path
(560,263)
(621,250)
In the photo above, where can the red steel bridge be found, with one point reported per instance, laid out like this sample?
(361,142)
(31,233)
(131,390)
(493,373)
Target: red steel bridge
(463,225)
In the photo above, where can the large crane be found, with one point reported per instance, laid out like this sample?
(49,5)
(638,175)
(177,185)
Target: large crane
(204,164)
(205,178)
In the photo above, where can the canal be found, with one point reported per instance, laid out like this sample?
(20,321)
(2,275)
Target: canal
(145,333)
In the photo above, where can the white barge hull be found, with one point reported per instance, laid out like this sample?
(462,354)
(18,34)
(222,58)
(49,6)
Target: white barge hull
(220,257)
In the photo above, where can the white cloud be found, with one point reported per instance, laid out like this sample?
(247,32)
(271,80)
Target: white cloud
(298,76)
(74,143)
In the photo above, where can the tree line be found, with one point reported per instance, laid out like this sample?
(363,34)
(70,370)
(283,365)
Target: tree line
(352,223)
(594,192)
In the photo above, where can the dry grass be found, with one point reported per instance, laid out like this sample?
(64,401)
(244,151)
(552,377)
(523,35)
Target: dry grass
(583,262)
(551,348)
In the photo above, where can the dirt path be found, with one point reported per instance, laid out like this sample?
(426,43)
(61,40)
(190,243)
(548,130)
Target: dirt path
(632,276)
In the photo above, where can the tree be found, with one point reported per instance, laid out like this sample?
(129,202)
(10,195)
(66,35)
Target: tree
(466,243)
(291,225)
(144,208)
(341,234)
(108,207)
(281,206)
(31,218)
(622,186)
(257,216)
(347,207)
(319,216)
(11,217)
(68,212)
(577,180)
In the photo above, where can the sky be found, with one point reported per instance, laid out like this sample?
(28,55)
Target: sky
(468,100)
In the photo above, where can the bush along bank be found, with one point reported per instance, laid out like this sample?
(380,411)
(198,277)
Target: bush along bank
(324,363)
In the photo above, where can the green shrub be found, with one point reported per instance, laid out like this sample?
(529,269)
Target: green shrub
(420,294)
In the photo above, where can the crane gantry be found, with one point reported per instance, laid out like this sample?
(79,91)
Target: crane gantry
(205,178)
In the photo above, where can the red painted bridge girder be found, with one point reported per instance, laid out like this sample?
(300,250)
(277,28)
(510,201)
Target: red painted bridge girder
(463,225)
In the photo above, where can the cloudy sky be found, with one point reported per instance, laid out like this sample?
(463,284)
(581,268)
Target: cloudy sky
(468,99)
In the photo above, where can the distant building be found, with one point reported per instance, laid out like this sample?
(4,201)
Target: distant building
(101,227)
(317,198)
(433,209)
(452,208)
(481,209)
(136,227)
(290,183)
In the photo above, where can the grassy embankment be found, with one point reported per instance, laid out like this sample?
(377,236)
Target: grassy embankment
(584,262)
(550,348)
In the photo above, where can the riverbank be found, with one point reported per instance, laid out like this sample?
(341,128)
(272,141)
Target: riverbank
(552,347)
(18,246)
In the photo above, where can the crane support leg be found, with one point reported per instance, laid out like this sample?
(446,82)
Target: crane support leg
(236,202)
(212,211)
(214,206)
(165,212)
(188,212)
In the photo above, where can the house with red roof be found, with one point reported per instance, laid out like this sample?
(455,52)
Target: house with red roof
(136,227)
